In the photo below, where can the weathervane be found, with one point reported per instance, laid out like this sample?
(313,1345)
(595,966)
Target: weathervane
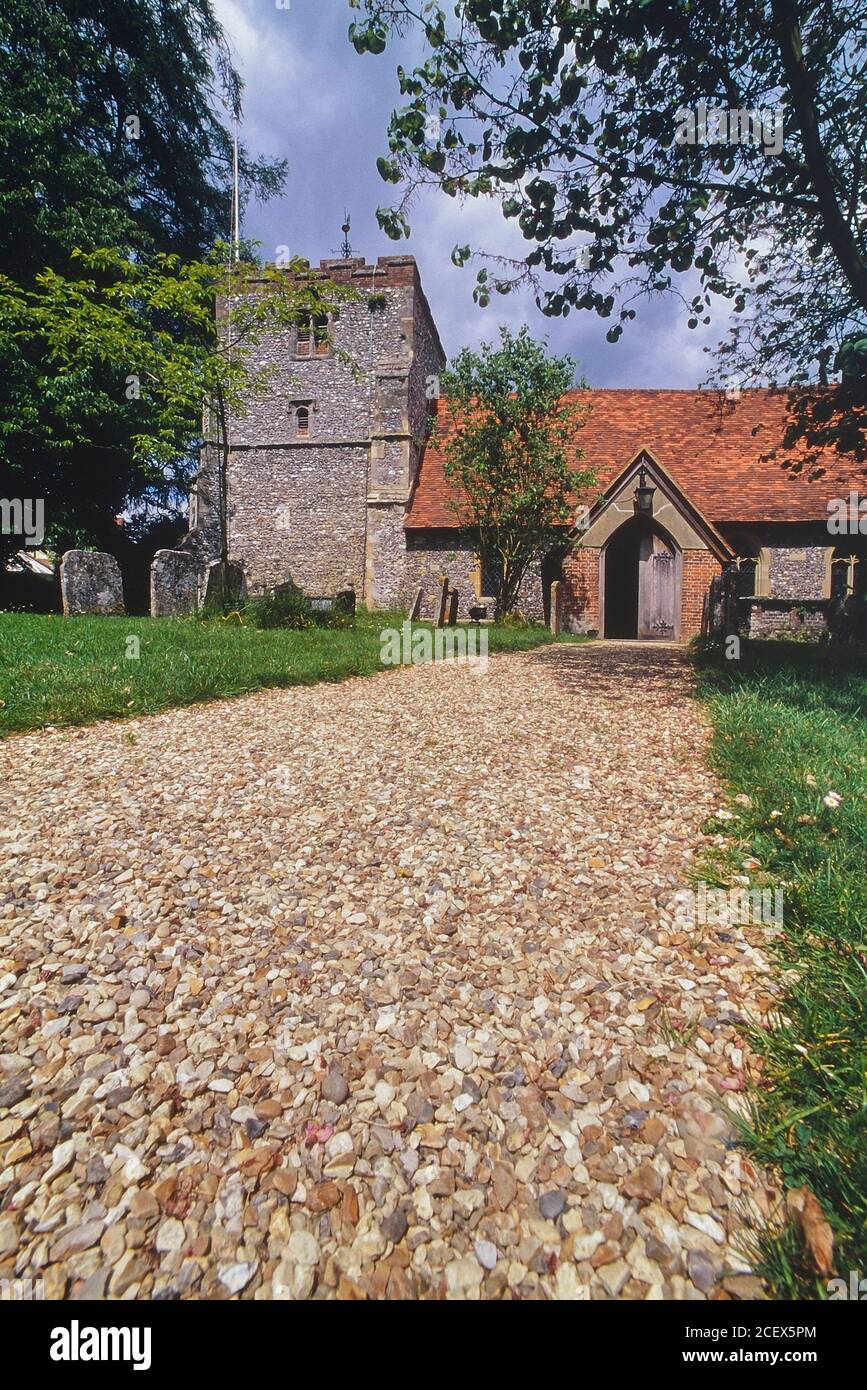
(345,245)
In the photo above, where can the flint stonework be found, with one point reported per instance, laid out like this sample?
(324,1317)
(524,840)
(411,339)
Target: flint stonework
(90,583)
(326,508)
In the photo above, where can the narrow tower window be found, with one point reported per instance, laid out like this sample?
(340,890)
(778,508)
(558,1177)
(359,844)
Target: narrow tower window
(312,337)
(302,422)
(320,335)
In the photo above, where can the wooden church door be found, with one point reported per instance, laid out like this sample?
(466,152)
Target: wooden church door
(657,588)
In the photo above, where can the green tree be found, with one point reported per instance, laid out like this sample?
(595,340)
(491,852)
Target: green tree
(114,132)
(175,342)
(570,116)
(511,456)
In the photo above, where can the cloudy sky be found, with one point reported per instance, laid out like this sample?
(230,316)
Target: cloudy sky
(311,99)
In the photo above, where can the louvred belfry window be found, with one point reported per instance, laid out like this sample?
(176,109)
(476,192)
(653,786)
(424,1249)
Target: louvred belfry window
(312,337)
(320,336)
(302,422)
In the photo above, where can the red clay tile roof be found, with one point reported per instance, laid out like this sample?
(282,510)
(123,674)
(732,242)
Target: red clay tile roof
(711,447)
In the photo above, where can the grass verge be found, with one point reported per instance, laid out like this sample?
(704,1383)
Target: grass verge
(790,726)
(56,670)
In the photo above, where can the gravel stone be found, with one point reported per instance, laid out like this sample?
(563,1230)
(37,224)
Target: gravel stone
(375,997)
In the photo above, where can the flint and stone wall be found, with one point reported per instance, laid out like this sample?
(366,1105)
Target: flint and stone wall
(793,584)
(299,512)
(430,555)
(798,573)
(327,509)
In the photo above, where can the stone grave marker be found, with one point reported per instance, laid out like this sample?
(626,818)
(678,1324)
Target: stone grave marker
(225,586)
(90,582)
(174,584)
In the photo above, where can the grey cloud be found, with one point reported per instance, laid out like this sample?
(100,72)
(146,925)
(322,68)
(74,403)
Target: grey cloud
(311,99)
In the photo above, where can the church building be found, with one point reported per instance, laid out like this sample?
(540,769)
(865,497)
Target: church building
(336,480)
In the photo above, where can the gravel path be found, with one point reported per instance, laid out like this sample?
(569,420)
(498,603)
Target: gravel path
(372,990)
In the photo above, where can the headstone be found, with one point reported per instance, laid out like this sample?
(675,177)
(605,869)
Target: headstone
(717,605)
(556,616)
(174,584)
(225,586)
(444,598)
(345,601)
(416,604)
(453,607)
(90,582)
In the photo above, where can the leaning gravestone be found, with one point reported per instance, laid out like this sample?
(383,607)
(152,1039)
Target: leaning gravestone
(225,586)
(90,582)
(174,584)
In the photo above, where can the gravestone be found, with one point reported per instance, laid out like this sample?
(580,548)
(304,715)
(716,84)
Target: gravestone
(90,582)
(453,608)
(444,599)
(225,586)
(174,584)
(717,606)
(345,601)
(416,604)
(556,614)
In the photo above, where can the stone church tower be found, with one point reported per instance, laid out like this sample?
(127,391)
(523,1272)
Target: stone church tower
(322,468)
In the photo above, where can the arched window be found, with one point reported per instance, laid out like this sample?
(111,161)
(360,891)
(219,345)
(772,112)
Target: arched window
(746,570)
(302,422)
(842,573)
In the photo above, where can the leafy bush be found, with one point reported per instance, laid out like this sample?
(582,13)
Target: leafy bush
(518,619)
(287,606)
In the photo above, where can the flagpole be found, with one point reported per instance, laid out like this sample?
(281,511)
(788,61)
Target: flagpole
(236,210)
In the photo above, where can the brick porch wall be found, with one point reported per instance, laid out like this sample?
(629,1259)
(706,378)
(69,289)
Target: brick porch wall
(581,597)
(581,591)
(699,568)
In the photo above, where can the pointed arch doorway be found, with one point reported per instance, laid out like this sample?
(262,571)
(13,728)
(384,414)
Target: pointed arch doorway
(640,583)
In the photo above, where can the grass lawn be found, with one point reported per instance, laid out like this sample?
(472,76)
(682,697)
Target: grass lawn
(56,670)
(790,727)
